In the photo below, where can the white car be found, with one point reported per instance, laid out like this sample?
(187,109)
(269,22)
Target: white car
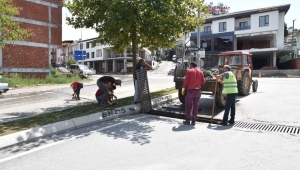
(3,86)
(83,70)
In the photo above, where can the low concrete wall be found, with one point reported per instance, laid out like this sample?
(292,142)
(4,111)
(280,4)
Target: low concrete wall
(292,64)
(294,72)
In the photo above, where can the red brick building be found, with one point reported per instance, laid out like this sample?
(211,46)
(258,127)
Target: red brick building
(33,55)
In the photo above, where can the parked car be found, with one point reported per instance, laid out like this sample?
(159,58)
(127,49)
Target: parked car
(82,70)
(174,58)
(63,70)
(3,86)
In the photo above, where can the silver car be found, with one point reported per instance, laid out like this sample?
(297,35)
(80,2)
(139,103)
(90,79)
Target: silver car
(3,86)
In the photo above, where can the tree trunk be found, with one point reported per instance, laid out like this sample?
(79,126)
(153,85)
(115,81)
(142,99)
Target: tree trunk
(133,41)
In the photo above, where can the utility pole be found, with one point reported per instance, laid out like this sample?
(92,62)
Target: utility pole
(293,39)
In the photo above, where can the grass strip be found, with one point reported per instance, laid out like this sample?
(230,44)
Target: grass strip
(74,112)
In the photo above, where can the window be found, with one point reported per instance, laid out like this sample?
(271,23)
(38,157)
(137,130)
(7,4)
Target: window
(87,44)
(87,55)
(224,43)
(264,21)
(222,26)
(206,43)
(81,46)
(93,54)
(235,60)
(247,60)
(207,30)
(243,24)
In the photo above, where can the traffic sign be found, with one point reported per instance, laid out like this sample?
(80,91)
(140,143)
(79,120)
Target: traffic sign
(201,53)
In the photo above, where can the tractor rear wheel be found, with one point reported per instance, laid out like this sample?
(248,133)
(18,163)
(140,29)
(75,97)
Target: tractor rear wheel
(220,97)
(181,97)
(254,85)
(244,84)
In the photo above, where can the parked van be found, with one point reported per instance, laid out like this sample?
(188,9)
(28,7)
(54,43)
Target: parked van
(82,70)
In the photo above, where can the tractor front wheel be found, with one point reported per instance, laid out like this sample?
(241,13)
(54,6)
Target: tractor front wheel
(244,84)
(220,97)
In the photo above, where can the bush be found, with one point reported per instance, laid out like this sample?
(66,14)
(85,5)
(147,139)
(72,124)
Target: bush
(53,71)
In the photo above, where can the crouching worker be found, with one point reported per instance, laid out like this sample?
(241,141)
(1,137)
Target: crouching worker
(101,97)
(76,86)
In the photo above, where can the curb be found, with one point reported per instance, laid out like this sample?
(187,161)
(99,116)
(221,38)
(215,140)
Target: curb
(75,123)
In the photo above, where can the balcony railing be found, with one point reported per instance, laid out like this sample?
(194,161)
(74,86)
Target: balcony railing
(194,34)
(206,33)
(243,28)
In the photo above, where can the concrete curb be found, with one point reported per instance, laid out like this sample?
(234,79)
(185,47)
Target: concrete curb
(59,127)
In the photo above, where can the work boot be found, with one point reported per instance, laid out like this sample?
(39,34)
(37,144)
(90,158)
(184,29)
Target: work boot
(223,123)
(186,122)
(193,123)
(231,122)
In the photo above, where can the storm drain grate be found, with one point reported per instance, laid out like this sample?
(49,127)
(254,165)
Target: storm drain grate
(265,127)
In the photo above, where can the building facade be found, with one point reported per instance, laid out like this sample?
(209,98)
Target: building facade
(100,58)
(33,55)
(259,31)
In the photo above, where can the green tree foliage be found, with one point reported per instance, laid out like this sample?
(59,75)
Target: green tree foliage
(71,61)
(10,30)
(137,23)
(286,32)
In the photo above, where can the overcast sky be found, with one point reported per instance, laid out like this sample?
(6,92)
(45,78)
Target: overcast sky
(69,33)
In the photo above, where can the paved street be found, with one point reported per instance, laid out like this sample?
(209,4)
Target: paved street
(50,99)
(152,142)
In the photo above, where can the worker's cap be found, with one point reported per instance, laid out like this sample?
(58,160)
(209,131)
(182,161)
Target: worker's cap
(227,66)
(119,82)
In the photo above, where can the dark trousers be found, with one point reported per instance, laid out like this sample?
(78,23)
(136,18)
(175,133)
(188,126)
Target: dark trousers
(229,105)
(191,102)
(77,92)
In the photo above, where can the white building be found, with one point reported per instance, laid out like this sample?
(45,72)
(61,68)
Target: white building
(259,31)
(101,58)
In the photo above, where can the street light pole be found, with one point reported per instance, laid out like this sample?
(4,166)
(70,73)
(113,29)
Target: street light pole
(198,43)
(293,38)
(81,48)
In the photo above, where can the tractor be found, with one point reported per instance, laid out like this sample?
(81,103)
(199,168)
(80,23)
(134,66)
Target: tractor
(241,66)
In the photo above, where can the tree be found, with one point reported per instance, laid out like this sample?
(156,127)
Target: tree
(71,61)
(137,23)
(286,31)
(10,30)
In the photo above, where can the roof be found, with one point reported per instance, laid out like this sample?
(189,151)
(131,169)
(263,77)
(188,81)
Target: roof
(248,13)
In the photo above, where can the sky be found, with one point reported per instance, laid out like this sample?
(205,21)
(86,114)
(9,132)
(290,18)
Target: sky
(69,33)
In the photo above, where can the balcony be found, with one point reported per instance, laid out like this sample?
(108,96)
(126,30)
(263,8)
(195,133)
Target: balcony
(243,28)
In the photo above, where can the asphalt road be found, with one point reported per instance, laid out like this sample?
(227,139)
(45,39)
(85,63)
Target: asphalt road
(152,142)
(35,102)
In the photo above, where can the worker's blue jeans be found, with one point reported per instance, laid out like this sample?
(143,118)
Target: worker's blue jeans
(104,90)
(229,105)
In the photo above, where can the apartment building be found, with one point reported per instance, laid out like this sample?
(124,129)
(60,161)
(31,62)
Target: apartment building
(259,31)
(33,55)
(101,58)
